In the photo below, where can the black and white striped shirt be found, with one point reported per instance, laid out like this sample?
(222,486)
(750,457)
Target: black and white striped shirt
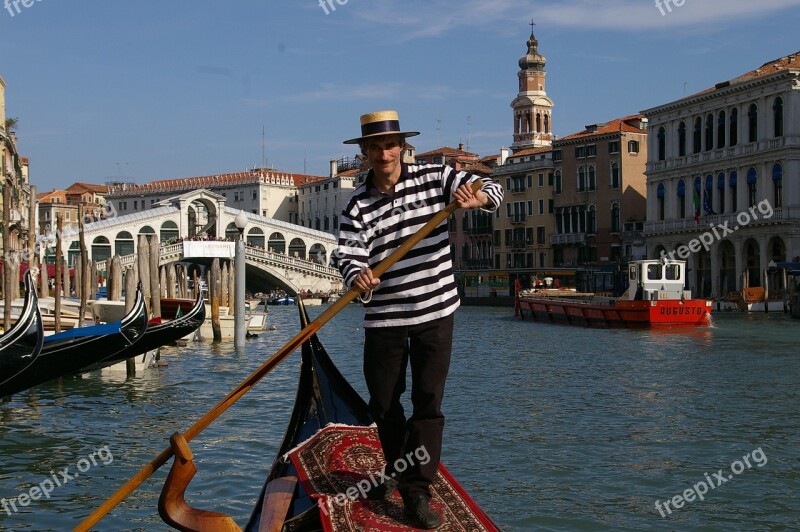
(420,287)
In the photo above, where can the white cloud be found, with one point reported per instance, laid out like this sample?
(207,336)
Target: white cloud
(438,17)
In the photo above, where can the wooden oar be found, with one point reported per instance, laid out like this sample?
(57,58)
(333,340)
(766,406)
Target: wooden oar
(266,367)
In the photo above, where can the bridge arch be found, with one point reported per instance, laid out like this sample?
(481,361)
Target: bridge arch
(277,242)
(124,244)
(101,248)
(255,237)
(318,254)
(169,231)
(297,248)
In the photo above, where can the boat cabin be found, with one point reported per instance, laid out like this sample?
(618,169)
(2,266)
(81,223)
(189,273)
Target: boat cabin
(656,279)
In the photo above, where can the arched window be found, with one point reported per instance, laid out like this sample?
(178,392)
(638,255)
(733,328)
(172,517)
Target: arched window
(697,135)
(101,248)
(777,112)
(681,199)
(721,130)
(591,222)
(538,122)
(721,192)
(558,188)
(615,225)
(777,185)
(708,197)
(752,186)
(662,144)
(614,175)
(696,188)
(660,197)
(547,123)
(733,131)
(682,139)
(752,123)
(734,191)
(581,179)
(709,132)
(592,179)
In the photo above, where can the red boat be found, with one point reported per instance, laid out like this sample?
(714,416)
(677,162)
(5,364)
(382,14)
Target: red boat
(655,297)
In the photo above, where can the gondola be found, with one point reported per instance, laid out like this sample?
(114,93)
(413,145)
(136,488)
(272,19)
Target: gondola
(21,344)
(67,352)
(158,334)
(324,400)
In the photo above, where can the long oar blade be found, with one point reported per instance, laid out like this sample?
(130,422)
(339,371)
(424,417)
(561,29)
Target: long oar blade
(265,368)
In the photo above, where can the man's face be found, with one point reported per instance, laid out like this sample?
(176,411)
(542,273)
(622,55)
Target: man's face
(384,154)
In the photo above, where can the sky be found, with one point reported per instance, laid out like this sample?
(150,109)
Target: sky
(157,89)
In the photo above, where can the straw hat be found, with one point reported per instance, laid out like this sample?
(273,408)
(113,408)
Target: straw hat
(380,123)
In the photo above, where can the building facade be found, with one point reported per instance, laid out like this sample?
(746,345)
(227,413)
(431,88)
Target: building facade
(722,179)
(598,186)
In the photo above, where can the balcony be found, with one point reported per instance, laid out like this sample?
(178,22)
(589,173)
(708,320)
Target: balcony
(729,220)
(513,168)
(567,238)
(518,244)
(517,218)
(518,190)
(478,231)
(718,154)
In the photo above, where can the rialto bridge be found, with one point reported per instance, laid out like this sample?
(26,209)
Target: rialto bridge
(278,254)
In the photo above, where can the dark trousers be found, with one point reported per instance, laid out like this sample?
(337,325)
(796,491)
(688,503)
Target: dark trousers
(387,351)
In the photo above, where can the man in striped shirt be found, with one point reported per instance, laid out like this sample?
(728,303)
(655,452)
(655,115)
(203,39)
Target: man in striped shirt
(409,310)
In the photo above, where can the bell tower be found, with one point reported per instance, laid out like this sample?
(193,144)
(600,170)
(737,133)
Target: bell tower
(533,123)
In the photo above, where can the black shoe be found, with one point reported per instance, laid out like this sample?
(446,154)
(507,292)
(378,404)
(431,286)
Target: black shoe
(418,508)
(382,492)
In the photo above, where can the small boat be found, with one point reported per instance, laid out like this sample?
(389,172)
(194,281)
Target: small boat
(257,317)
(324,405)
(21,344)
(158,333)
(68,352)
(285,300)
(655,297)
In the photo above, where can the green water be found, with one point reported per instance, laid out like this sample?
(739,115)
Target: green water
(548,426)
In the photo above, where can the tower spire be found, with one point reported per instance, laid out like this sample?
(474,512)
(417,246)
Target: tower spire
(532,108)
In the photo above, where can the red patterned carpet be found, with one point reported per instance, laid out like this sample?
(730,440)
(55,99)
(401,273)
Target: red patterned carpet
(341,458)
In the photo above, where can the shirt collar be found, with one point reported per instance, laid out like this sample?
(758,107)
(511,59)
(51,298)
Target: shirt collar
(372,190)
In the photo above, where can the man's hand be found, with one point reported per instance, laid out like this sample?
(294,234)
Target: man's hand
(466,199)
(365,281)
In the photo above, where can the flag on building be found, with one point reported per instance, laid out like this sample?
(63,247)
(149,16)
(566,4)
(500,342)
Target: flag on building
(707,209)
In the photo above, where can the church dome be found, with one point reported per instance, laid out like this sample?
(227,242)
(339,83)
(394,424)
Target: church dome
(533,60)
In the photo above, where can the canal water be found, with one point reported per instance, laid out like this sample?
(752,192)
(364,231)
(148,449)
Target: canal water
(549,427)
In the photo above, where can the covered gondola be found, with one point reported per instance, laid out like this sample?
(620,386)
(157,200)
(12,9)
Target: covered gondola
(68,352)
(21,344)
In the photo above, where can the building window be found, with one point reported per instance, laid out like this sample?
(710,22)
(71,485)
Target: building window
(541,206)
(721,192)
(550,206)
(541,180)
(135,204)
(580,152)
(681,199)
(721,130)
(682,139)
(614,175)
(530,207)
(709,132)
(613,146)
(662,144)
(733,132)
(660,198)
(540,234)
(777,185)
(556,156)
(697,135)
(633,146)
(557,181)
(734,192)
(592,178)
(752,186)
(591,150)
(615,225)
(591,222)
(581,179)
(752,123)
(777,111)
(708,198)
(325,223)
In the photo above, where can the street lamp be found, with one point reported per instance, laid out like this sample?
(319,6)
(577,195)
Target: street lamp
(239,327)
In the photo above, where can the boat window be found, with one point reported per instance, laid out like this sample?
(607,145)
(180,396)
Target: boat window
(654,272)
(672,272)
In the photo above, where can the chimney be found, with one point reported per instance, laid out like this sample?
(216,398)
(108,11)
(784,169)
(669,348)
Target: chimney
(461,146)
(504,153)
(334,168)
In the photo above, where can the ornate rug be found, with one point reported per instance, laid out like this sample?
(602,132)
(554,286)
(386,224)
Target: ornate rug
(339,464)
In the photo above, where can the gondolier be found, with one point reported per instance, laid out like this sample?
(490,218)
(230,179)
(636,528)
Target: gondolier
(409,310)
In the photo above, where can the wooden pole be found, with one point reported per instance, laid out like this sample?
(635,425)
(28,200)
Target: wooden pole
(93,278)
(84,258)
(155,284)
(214,289)
(196,288)
(143,264)
(265,368)
(223,298)
(16,260)
(58,273)
(6,250)
(232,288)
(171,280)
(115,279)
(43,277)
